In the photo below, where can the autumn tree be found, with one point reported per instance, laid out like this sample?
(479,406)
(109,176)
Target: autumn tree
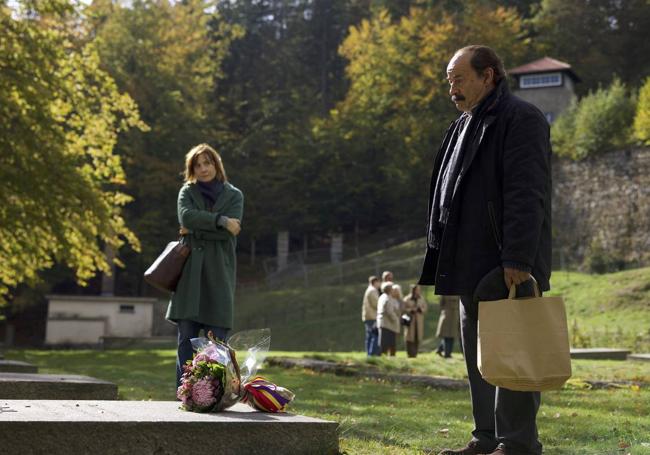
(378,144)
(61,183)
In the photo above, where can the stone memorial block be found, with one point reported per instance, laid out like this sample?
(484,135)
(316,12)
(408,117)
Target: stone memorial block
(600,353)
(156,427)
(21,386)
(640,357)
(14,366)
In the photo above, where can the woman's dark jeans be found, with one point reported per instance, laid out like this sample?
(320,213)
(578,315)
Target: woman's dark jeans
(186,331)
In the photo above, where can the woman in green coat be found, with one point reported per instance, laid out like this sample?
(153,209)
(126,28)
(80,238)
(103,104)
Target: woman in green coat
(209,211)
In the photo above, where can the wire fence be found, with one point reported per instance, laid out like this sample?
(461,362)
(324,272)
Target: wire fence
(314,267)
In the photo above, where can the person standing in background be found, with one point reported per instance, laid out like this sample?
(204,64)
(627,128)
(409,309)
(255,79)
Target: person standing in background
(388,276)
(448,324)
(388,319)
(415,306)
(369,316)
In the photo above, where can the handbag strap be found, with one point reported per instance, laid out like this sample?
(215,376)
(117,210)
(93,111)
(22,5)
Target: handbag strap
(513,289)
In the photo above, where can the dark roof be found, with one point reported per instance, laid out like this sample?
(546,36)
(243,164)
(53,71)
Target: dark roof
(544,65)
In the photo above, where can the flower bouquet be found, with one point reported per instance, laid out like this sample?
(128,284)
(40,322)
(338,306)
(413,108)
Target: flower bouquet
(213,381)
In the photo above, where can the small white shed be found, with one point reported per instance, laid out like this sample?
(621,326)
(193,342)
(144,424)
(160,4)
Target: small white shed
(81,320)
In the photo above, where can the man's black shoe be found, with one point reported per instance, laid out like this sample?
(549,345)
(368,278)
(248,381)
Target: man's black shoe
(472,448)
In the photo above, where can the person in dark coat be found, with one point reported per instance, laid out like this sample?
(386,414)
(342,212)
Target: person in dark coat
(210,210)
(489,228)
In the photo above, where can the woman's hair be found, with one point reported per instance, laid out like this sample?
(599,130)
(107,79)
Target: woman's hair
(412,291)
(193,155)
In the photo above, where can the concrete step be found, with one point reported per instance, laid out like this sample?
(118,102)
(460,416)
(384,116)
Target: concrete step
(640,357)
(156,427)
(23,386)
(14,366)
(600,353)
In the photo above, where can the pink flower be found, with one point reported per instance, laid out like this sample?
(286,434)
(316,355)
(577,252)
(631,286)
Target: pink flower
(203,393)
(200,358)
(184,392)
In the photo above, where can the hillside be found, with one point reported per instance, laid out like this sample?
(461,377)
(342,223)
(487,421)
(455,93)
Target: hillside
(319,308)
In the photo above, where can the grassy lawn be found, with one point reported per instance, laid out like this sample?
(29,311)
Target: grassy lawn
(386,418)
(609,310)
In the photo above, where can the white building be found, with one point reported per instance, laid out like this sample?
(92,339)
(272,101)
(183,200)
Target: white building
(547,83)
(80,320)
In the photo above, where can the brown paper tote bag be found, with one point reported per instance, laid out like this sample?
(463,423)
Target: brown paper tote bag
(523,344)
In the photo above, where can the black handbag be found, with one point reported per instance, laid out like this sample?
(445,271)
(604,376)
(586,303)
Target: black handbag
(406,319)
(166,270)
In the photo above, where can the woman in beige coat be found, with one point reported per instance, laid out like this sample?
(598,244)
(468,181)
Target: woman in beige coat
(414,306)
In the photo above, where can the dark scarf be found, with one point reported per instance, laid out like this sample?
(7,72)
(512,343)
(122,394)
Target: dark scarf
(210,191)
(452,163)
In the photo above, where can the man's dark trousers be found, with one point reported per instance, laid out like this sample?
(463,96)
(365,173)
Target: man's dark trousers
(501,416)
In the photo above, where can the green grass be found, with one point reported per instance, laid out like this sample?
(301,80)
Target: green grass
(385,418)
(432,365)
(609,310)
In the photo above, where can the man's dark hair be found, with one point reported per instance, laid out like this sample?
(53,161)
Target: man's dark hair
(483,58)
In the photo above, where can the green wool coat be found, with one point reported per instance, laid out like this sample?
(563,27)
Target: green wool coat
(206,290)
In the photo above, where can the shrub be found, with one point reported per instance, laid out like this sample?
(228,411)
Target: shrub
(600,260)
(599,122)
(642,117)
(563,131)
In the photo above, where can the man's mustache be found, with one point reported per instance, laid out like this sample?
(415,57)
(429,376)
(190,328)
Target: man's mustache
(457,98)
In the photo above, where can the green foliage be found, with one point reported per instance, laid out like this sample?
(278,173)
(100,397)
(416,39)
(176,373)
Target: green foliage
(282,73)
(642,117)
(599,260)
(600,39)
(60,116)
(377,143)
(599,122)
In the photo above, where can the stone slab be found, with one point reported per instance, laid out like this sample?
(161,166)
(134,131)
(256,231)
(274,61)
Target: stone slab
(640,357)
(14,366)
(20,386)
(600,353)
(156,427)
(325,366)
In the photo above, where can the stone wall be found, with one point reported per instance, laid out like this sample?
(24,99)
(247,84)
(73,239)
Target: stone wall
(601,206)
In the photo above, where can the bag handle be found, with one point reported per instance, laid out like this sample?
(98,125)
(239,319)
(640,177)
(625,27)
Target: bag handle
(513,289)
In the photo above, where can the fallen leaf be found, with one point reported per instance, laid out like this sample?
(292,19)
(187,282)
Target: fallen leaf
(443,430)
(623,445)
